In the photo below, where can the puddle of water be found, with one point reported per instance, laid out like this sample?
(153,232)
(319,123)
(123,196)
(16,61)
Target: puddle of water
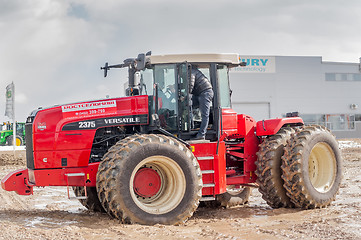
(46,222)
(57,198)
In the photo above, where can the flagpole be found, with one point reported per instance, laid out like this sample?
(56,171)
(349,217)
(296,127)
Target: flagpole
(14,123)
(10,109)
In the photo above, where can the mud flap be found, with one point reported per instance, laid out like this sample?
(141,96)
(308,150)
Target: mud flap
(17,181)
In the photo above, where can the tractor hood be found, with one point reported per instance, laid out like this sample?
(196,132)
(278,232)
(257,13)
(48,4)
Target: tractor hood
(106,112)
(49,131)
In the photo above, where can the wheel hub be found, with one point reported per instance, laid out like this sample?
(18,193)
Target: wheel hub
(322,167)
(147,182)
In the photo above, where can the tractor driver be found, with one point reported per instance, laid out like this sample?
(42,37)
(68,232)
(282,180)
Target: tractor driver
(201,89)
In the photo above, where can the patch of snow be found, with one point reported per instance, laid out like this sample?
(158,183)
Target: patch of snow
(10,148)
(343,144)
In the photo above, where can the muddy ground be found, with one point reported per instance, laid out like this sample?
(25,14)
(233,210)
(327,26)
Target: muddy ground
(49,214)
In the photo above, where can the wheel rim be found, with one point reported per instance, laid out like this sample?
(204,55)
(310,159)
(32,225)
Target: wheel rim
(147,182)
(157,185)
(18,142)
(322,167)
(234,190)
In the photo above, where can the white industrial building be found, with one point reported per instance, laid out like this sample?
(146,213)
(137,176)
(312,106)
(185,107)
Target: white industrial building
(326,93)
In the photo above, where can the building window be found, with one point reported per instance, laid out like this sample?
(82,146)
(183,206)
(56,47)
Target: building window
(340,122)
(330,77)
(343,77)
(358,117)
(357,77)
(334,122)
(312,119)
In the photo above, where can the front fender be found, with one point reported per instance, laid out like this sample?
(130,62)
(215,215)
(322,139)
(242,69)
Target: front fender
(272,126)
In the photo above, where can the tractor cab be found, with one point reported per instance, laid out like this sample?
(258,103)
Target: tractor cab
(166,78)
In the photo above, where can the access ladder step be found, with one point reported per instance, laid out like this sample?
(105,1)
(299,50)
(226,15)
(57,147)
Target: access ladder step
(207,199)
(75,175)
(79,198)
(205,158)
(209,185)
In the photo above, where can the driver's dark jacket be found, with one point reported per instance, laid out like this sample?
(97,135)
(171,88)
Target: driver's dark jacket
(198,82)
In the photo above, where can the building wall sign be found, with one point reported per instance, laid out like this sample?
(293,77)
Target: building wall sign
(256,64)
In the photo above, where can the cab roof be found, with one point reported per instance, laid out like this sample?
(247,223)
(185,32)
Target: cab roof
(227,58)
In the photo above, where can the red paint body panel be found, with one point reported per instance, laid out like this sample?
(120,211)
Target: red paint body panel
(17,181)
(251,148)
(229,121)
(272,126)
(52,159)
(52,144)
(68,139)
(58,177)
(246,126)
(208,159)
(43,141)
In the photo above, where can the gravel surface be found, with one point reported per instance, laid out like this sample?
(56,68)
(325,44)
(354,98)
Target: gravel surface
(48,214)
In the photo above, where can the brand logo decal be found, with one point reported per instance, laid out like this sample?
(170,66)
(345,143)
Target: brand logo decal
(41,126)
(256,64)
(254,61)
(122,120)
(88,106)
(88,109)
(103,122)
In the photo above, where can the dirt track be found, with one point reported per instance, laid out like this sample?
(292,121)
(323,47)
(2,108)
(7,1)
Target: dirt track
(48,214)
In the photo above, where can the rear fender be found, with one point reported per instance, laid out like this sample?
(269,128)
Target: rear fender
(18,181)
(272,126)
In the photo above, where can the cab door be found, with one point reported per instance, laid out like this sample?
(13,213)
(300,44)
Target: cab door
(184,124)
(190,115)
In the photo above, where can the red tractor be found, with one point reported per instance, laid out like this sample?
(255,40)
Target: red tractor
(134,157)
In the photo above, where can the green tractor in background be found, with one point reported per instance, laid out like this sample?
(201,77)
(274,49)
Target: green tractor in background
(6,134)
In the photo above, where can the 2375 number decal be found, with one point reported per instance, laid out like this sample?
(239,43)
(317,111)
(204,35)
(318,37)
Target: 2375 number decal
(88,124)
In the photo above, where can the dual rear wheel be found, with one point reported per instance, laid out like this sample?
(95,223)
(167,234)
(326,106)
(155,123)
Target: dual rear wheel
(299,168)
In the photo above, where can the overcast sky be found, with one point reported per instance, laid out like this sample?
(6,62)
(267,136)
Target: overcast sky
(53,49)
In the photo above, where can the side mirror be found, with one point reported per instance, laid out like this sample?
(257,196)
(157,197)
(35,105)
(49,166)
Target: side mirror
(105,68)
(140,62)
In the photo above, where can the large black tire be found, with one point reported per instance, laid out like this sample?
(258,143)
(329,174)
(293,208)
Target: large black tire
(92,201)
(149,179)
(19,141)
(312,168)
(269,173)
